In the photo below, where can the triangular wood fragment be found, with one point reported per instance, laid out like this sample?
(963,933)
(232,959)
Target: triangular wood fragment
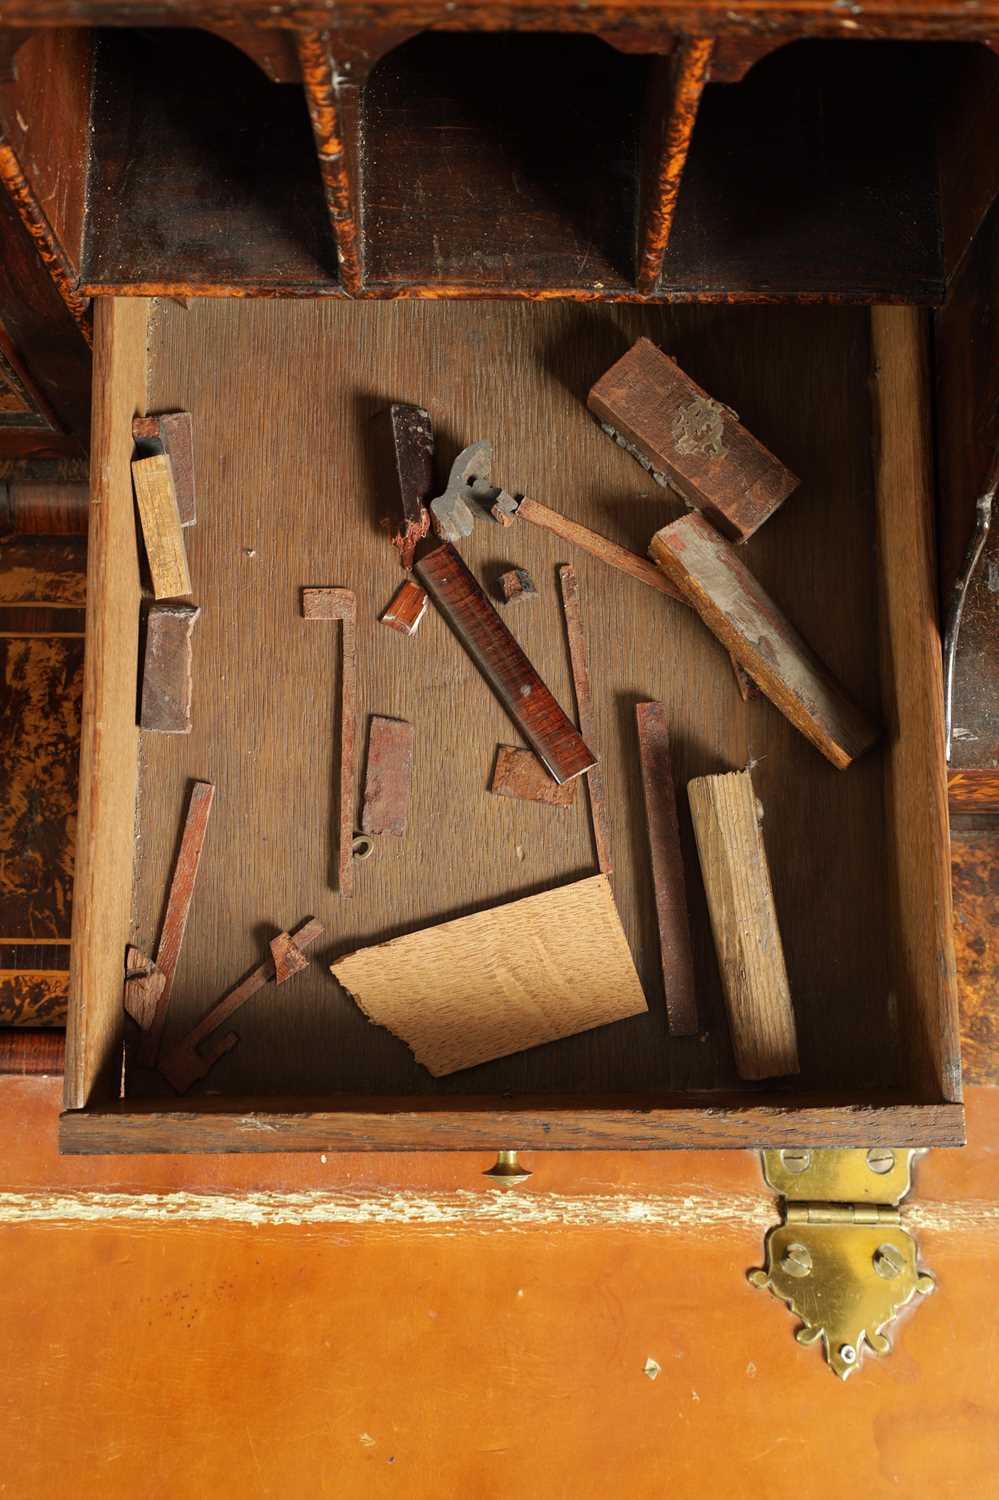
(143,988)
(288,957)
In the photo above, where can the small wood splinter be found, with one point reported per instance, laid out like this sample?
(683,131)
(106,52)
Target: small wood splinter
(516,584)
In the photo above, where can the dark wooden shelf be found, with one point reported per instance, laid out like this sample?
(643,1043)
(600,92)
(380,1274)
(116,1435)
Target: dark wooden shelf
(203,171)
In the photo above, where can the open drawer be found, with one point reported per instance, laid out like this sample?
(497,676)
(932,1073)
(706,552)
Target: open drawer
(289,483)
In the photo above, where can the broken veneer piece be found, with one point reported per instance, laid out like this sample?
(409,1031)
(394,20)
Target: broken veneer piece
(502,980)
(747,938)
(185,1062)
(406,610)
(518,773)
(733,605)
(166,668)
(413,446)
(689,441)
(156,498)
(171,433)
(287,957)
(389,776)
(341,604)
(668,880)
(516,583)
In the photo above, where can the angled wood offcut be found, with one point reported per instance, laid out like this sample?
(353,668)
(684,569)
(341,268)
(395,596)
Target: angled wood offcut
(501,980)
(340,604)
(389,776)
(745,619)
(185,1062)
(579,664)
(690,441)
(744,924)
(166,668)
(287,957)
(178,909)
(668,879)
(143,986)
(161,529)
(519,773)
(171,433)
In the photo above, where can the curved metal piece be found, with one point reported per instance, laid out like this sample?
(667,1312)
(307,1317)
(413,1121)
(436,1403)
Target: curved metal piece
(983,520)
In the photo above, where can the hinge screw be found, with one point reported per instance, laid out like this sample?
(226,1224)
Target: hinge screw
(889,1261)
(847,1354)
(796,1160)
(880,1160)
(796,1260)
(508,1170)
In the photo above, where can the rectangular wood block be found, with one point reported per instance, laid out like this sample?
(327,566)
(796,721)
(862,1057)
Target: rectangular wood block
(519,773)
(161,529)
(744,924)
(690,441)
(166,668)
(668,878)
(501,980)
(711,576)
(406,610)
(172,433)
(389,776)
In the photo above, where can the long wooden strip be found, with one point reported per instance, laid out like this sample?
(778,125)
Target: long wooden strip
(183,1064)
(744,924)
(748,623)
(674,92)
(501,980)
(546,727)
(668,880)
(185,875)
(579,663)
(161,529)
(341,604)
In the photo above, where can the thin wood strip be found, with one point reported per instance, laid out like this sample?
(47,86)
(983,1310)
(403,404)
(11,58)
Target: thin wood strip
(668,878)
(178,909)
(675,93)
(580,666)
(343,200)
(341,604)
(597,546)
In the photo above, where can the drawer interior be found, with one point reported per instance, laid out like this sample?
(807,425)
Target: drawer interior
(292,480)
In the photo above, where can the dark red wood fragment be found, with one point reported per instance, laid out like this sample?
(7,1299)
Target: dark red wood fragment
(407,608)
(668,877)
(166,668)
(171,433)
(389,776)
(546,727)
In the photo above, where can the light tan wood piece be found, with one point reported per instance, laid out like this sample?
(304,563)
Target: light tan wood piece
(161,528)
(733,605)
(501,980)
(744,924)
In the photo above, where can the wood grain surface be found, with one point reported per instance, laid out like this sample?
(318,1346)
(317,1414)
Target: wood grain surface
(265,531)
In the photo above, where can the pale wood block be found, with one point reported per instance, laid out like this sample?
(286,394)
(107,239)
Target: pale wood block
(712,577)
(744,924)
(501,980)
(161,528)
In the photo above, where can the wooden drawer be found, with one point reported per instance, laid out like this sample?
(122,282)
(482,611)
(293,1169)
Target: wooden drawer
(289,476)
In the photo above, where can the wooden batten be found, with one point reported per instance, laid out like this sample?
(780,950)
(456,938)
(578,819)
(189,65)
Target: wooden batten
(675,89)
(924,974)
(110,737)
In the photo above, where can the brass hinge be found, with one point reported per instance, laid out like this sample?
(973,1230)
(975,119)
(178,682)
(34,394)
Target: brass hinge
(840,1258)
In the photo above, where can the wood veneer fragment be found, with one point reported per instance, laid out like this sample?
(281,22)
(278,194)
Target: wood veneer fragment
(178,909)
(340,604)
(172,433)
(389,776)
(669,884)
(690,441)
(579,665)
(744,924)
(166,668)
(502,980)
(406,610)
(518,773)
(733,605)
(546,727)
(161,529)
(287,957)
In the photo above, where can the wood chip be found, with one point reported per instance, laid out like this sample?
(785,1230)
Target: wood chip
(744,924)
(690,441)
(287,957)
(501,980)
(516,584)
(732,604)
(389,777)
(580,667)
(340,604)
(143,986)
(171,433)
(405,612)
(668,880)
(166,668)
(519,773)
(161,530)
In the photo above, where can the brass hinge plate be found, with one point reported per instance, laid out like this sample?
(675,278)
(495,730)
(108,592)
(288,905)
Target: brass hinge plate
(841,1260)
